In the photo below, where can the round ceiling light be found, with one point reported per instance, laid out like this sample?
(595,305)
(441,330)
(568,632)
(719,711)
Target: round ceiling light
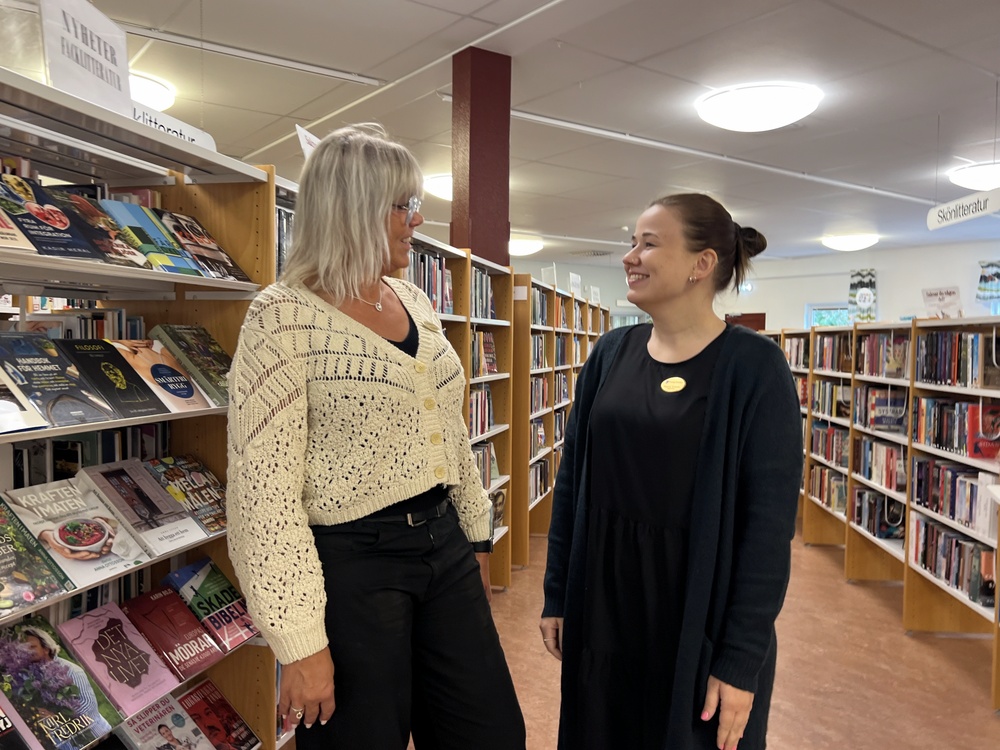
(848,243)
(438,185)
(983,176)
(525,246)
(756,107)
(151,91)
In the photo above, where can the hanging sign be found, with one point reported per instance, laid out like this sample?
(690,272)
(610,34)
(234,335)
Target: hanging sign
(970,207)
(307,140)
(943,302)
(85,53)
(172,126)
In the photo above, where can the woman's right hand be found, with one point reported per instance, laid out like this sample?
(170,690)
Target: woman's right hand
(307,686)
(552,635)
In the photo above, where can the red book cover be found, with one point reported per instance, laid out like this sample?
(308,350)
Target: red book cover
(173,630)
(215,716)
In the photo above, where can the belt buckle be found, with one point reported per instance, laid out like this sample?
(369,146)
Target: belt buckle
(414,524)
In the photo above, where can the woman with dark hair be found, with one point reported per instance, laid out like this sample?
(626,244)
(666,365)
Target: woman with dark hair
(674,506)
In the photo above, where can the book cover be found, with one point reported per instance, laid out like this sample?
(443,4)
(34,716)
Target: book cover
(983,431)
(16,410)
(216,717)
(161,524)
(162,251)
(172,629)
(12,238)
(163,725)
(163,374)
(101,365)
(202,357)
(77,530)
(215,601)
(14,733)
(62,707)
(193,237)
(194,486)
(27,576)
(45,224)
(126,667)
(51,382)
(119,245)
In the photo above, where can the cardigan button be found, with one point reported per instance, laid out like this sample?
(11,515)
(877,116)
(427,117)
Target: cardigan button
(440,472)
(429,403)
(420,367)
(437,438)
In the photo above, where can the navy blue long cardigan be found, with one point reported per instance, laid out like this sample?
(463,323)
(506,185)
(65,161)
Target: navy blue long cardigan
(743,519)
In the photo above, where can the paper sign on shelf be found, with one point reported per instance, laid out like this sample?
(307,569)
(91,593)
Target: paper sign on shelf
(172,126)
(970,207)
(943,302)
(86,54)
(575,284)
(307,140)
(595,295)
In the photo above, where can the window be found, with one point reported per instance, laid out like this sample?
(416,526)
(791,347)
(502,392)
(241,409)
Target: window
(829,314)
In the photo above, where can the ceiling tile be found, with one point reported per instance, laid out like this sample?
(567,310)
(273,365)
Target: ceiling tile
(551,67)
(547,179)
(985,53)
(534,142)
(445,43)
(228,125)
(942,25)
(153,14)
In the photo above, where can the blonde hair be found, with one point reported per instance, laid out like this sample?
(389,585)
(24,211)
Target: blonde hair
(349,184)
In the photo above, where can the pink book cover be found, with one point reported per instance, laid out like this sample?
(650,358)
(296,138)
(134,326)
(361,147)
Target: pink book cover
(118,657)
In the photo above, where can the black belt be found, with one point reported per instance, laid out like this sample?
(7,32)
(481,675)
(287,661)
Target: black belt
(417,518)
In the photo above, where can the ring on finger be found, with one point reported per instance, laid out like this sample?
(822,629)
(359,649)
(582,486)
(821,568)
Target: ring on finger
(297,712)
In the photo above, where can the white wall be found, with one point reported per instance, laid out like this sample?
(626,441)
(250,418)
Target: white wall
(783,288)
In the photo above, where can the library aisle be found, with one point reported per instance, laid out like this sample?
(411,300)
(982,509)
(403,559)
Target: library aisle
(848,676)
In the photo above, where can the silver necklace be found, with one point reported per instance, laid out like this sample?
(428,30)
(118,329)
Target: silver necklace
(376,305)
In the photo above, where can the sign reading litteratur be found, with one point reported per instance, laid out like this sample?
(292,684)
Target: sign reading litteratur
(969,207)
(85,53)
(172,126)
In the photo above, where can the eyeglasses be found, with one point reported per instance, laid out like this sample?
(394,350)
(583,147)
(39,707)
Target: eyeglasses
(411,207)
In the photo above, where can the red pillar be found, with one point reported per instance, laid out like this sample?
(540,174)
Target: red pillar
(480,153)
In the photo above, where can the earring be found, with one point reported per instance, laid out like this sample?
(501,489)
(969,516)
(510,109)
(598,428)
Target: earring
(692,279)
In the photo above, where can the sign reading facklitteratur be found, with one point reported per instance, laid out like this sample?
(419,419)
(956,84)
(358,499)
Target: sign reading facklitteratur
(970,207)
(85,53)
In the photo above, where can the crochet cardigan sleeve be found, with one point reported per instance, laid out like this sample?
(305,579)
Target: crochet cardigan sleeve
(270,543)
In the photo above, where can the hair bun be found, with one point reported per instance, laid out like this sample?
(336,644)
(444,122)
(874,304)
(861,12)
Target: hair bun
(753,241)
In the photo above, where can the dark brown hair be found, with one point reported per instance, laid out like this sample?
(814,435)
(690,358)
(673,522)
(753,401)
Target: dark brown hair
(708,225)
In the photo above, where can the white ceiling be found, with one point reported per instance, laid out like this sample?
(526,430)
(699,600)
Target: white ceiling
(910,92)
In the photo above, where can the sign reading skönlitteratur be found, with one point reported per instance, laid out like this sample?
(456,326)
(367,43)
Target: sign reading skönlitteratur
(85,53)
(964,209)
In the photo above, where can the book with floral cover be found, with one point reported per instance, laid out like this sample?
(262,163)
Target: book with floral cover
(27,575)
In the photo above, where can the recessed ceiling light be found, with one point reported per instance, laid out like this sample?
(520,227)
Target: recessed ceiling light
(983,176)
(438,185)
(848,243)
(151,91)
(755,107)
(525,246)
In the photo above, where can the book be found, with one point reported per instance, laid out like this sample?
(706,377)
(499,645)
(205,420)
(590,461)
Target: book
(12,238)
(45,224)
(105,369)
(16,410)
(163,725)
(193,237)
(215,601)
(51,382)
(78,532)
(118,245)
(216,717)
(194,486)
(27,576)
(162,251)
(127,668)
(60,704)
(14,733)
(161,524)
(172,629)
(983,430)
(200,354)
(163,374)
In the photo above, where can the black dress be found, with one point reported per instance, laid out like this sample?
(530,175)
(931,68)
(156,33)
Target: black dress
(645,430)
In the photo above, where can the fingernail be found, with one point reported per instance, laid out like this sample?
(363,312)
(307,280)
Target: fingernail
(704,717)
(309,726)
(323,723)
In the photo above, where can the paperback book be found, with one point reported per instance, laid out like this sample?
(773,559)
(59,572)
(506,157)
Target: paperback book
(163,725)
(45,224)
(202,357)
(12,238)
(27,576)
(162,373)
(77,530)
(126,667)
(16,411)
(194,486)
(162,251)
(14,733)
(193,237)
(215,601)
(216,717)
(50,381)
(118,245)
(172,629)
(161,524)
(62,707)
(101,365)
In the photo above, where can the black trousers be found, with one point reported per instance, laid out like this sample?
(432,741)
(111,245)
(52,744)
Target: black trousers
(413,642)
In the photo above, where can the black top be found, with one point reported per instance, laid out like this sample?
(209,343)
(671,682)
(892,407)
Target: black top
(411,343)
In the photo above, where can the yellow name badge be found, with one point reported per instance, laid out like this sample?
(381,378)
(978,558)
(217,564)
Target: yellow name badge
(672,385)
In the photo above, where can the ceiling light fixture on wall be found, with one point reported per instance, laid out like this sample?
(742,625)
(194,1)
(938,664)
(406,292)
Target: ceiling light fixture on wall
(439,185)
(982,176)
(151,91)
(848,243)
(756,107)
(524,246)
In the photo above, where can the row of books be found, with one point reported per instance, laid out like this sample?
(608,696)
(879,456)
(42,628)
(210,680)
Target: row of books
(955,492)
(832,443)
(62,382)
(833,352)
(831,398)
(108,519)
(881,516)
(797,351)
(958,358)
(883,354)
(959,562)
(484,354)
(481,411)
(961,427)
(486,461)
(76,222)
(882,463)
(829,487)
(427,270)
(879,408)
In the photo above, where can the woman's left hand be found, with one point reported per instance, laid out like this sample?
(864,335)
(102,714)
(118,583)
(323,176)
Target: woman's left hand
(484,572)
(734,707)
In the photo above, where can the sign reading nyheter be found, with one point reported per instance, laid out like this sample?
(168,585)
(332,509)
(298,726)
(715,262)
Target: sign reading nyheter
(85,53)
(964,209)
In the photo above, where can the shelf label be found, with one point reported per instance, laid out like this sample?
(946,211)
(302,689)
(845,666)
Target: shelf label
(970,207)
(86,54)
(172,126)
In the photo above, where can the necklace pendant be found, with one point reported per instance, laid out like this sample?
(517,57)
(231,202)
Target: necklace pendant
(378,306)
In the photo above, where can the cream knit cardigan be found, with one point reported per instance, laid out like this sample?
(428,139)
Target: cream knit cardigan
(329,422)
